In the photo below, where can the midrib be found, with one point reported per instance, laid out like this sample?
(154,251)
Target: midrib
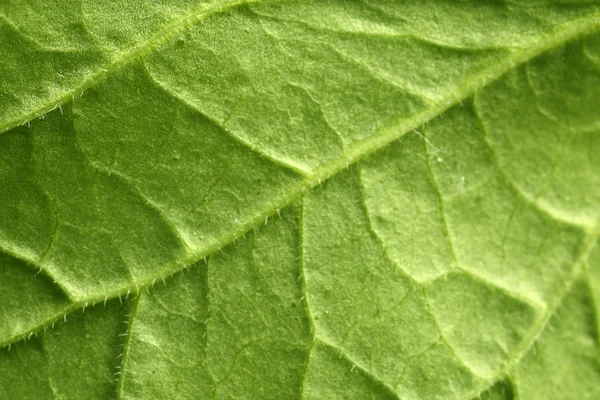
(363,149)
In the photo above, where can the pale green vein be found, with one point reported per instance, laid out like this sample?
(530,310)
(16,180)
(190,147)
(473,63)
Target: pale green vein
(128,181)
(445,341)
(536,331)
(587,224)
(532,302)
(126,346)
(232,365)
(595,304)
(361,150)
(356,366)
(440,201)
(39,267)
(290,165)
(31,39)
(304,300)
(122,60)
(393,35)
(380,77)
(363,200)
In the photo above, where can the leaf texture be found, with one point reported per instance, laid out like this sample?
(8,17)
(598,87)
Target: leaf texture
(287,199)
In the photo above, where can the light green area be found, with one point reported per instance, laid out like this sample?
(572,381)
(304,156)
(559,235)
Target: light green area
(279,199)
(74,358)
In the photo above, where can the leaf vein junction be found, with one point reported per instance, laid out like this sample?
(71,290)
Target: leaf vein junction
(357,153)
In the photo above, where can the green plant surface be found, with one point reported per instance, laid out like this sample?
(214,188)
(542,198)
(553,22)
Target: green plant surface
(299,199)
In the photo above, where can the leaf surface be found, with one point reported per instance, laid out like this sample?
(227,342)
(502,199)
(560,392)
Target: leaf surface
(374,200)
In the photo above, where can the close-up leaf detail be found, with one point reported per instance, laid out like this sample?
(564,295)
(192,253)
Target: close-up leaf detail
(324,199)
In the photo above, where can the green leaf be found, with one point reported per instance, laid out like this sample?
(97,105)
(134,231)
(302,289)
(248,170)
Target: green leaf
(342,199)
